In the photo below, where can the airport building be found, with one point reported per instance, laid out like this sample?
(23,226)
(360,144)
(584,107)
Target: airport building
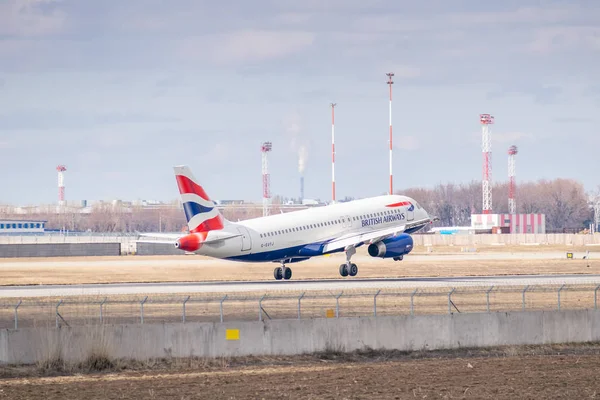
(510,223)
(21,227)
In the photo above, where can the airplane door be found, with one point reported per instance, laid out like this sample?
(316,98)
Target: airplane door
(410,212)
(246,239)
(348,223)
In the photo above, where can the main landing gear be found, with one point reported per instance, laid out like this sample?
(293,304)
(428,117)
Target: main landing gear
(349,268)
(282,272)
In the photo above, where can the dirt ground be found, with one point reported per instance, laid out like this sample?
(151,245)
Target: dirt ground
(129,269)
(558,373)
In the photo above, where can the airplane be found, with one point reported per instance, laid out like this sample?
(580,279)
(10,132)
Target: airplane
(382,223)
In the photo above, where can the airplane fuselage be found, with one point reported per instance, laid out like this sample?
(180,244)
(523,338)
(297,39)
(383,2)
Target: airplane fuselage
(299,235)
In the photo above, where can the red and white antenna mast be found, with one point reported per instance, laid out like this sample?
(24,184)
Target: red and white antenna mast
(512,205)
(390,82)
(486,147)
(265,148)
(61,184)
(333,152)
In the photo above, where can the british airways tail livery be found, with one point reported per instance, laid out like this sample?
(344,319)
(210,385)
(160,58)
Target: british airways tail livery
(382,223)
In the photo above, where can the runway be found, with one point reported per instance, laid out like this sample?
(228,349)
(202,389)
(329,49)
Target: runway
(238,287)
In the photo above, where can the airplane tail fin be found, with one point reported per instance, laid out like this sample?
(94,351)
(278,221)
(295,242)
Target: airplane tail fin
(201,213)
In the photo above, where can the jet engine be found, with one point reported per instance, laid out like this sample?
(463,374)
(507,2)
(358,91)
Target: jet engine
(396,246)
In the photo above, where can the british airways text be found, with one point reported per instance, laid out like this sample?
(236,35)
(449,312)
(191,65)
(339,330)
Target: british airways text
(384,220)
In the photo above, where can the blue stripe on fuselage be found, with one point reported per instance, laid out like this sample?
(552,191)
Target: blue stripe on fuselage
(275,255)
(192,209)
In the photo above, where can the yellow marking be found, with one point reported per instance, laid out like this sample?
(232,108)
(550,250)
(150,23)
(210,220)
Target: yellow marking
(569,255)
(232,334)
(330,313)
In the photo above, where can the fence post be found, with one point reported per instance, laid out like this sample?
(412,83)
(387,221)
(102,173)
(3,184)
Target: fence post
(299,300)
(412,303)
(17,314)
(221,307)
(450,300)
(559,290)
(260,307)
(487,298)
(375,303)
(183,315)
(57,314)
(596,297)
(101,310)
(523,294)
(142,309)
(337,304)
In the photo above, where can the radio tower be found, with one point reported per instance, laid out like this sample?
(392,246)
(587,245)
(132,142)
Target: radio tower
(512,205)
(333,152)
(266,147)
(61,184)
(390,82)
(486,147)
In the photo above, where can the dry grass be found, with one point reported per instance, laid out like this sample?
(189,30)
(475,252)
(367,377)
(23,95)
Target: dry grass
(197,269)
(98,362)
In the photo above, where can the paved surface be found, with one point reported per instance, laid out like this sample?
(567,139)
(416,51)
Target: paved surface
(266,286)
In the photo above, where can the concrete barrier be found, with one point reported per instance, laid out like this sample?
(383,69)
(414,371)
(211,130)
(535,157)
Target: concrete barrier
(289,337)
(156,249)
(507,239)
(60,250)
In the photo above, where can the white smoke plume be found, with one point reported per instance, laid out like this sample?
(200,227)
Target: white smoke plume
(301,158)
(298,143)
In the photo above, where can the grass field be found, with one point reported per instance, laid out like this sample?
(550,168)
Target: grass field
(191,268)
(560,371)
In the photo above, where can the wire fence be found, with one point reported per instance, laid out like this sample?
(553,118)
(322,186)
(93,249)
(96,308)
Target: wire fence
(196,308)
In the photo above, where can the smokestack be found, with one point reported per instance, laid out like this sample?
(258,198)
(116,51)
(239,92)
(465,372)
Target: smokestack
(301,189)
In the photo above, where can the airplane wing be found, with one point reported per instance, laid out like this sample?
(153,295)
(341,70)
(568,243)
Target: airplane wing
(354,239)
(357,238)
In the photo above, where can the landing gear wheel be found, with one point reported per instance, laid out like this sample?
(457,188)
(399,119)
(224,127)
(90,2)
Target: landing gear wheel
(399,258)
(287,273)
(343,270)
(278,273)
(353,270)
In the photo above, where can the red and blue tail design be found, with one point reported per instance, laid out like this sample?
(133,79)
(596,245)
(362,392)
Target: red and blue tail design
(200,211)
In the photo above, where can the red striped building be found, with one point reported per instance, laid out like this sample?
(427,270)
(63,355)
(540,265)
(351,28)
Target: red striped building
(510,223)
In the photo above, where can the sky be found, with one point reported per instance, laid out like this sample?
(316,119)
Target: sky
(121,91)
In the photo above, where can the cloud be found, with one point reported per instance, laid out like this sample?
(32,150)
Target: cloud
(31,18)
(573,120)
(548,40)
(510,137)
(244,46)
(542,94)
(407,143)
